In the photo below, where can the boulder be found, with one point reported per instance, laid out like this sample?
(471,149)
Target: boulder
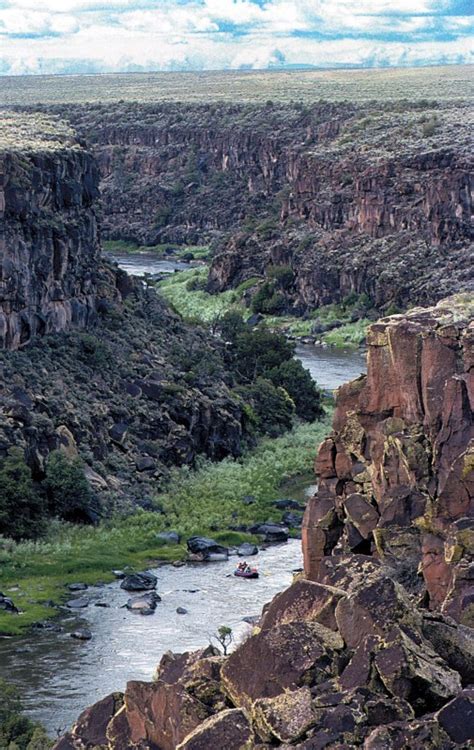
(77,586)
(82,634)
(287,655)
(286,717)
(80,603)
(413,671)
(139,582)
(162,714)
(453,642)
(416,735)
(228,729)
(304,601)
(457,717)
(7,605)
(374,608)
(181,611)
(91,727)
(274,533)
(144,604)
(204,548)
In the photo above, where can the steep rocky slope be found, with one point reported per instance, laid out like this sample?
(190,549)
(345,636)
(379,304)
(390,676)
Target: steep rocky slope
(374,198)
(110,374)
(367,648)
(48,238)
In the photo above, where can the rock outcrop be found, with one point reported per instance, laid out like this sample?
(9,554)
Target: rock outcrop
(361,651)
(397,475)
(49,245)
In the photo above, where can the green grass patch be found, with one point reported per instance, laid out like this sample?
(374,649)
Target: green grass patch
(197,304)
(207,500)
(349,334)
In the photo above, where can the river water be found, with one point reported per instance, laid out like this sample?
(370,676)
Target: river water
(59,676)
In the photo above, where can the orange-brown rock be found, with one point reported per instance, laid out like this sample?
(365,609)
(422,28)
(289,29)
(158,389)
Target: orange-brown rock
(397,474)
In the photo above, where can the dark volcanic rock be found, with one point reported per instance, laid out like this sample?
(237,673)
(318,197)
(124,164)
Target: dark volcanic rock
(139,582)
(228,729)
(200,545)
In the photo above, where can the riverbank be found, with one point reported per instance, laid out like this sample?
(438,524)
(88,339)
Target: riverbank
(331,325)
(205,501)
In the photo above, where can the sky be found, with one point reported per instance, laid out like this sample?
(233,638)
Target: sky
(99,36)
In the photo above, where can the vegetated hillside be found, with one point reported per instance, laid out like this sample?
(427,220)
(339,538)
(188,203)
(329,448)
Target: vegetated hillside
(372,646)
(370,199)
(99,368)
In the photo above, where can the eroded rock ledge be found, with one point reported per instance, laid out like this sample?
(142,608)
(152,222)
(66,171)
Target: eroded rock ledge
(49,246)
(362,651)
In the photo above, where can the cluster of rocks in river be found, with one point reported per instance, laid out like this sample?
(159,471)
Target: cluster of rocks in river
(373,646)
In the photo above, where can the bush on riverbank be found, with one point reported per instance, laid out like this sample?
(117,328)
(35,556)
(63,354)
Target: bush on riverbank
(17,732)
(205,501)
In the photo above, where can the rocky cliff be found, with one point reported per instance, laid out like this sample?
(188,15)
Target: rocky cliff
(49,247)
(397,475)
(373,198)
(366,649)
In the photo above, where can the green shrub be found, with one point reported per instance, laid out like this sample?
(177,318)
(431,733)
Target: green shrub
(282,275)
(300,386)
(22,504)
(17,732)
(271,405)
(69,494)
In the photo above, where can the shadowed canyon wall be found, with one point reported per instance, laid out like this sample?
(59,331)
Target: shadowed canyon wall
(49,246)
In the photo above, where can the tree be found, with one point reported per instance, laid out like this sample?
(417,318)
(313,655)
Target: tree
(299,384)
(68,491)
(256,352)
(271,405)
(224,636)
(22,504)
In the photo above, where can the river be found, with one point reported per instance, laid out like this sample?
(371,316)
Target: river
(59,676)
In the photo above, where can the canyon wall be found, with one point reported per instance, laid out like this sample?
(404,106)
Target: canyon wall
(49,246)
(396,478)
(374,198)
(92,363)
(372,647)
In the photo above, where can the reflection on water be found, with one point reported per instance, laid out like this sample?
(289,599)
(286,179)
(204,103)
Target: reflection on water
(60,676)
(331,367)
(139,264)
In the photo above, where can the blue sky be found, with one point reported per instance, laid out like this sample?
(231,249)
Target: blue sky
(93,36)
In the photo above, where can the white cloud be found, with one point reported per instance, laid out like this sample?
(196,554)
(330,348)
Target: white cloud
(206,34)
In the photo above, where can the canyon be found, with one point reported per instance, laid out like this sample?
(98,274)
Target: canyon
(372,646)
(372,198)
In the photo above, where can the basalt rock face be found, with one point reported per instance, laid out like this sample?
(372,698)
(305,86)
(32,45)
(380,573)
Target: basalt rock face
(49,247)
(373,199)
(397,474)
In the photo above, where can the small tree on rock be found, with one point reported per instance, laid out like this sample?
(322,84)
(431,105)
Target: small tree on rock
(224,636)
